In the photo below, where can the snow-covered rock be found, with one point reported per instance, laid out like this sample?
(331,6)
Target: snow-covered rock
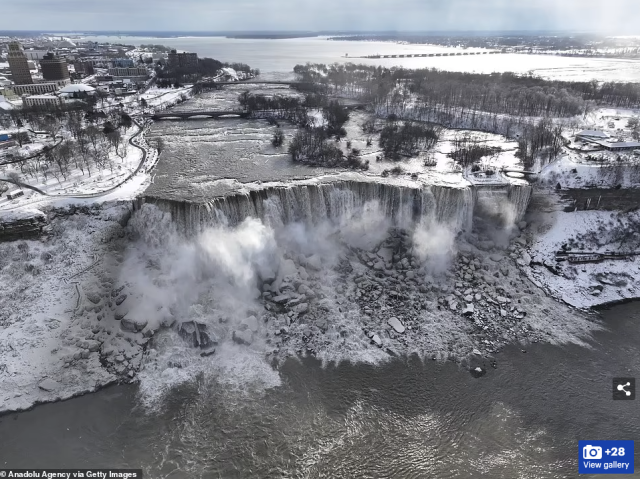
(49,385)
(396,324)
(314,262)
(243,337)
(252,323)
(133,325)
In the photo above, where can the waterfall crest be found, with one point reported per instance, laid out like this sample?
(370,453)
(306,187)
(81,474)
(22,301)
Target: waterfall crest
(317,202)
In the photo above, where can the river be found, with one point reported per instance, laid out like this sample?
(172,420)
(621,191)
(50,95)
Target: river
(407,419)
(276,58)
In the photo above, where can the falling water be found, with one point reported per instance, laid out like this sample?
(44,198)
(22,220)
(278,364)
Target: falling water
(312,203)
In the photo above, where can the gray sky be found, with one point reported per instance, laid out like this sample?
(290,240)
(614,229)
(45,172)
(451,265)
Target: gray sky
(614,16)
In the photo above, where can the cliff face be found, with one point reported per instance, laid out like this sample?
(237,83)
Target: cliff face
(23,228)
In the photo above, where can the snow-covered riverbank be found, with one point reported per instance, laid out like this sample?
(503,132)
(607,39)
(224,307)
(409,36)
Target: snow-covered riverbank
(56,340)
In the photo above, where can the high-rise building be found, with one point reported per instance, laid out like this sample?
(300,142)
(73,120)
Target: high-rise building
(18,65)
(54,68)
(183,62)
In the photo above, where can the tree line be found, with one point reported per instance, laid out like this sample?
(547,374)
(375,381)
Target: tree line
(502,93)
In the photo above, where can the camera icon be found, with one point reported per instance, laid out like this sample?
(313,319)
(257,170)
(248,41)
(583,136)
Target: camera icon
(591,452)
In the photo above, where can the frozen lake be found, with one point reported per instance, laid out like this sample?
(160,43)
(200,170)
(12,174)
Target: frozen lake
(280,56)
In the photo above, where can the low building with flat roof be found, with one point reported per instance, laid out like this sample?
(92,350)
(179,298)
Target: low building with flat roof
(590,135)
(41,100)
(40,88)
(619,145)
(132,72)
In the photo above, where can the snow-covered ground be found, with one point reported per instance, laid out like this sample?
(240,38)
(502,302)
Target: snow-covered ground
(584,285)
(161,98)
(443,166)
(573,171)
(120,183)
(54,295)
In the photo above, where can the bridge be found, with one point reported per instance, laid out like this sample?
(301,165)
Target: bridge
(213,84)
(529,175)
(423,55)
(184,115)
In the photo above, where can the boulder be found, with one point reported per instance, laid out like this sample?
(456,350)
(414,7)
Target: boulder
(92,345)
(133,325)
(48,385)
(486,245)
(396,324)
(243,337)
(376,340)
(301,308)
(281,299)
(120,312)
(314,262)
(251,323)
(288,268)
(468,310)
(120,299)
(166,318)
(495,257)
(196,334)
(93,297)
(386,254)
(306,291)
(302,273)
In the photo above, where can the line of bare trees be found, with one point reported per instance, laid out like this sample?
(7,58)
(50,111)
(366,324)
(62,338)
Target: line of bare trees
(501,93)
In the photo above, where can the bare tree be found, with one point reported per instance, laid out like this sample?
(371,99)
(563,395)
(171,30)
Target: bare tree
(14,176)
(21,137)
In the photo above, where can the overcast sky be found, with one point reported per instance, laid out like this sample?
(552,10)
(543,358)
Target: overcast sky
(615,16)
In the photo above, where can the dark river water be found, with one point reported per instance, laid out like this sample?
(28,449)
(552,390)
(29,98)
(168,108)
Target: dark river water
(405,419)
